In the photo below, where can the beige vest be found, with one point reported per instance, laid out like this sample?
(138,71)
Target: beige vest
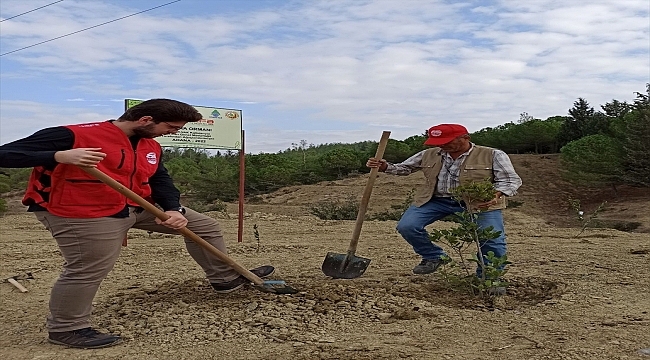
(476,167)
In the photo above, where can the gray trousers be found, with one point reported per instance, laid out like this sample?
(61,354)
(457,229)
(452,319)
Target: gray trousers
(90,248)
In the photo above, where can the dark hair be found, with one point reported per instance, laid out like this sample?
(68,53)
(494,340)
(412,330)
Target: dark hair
(162,110)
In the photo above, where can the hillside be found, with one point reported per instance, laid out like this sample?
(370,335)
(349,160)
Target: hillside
(543,195)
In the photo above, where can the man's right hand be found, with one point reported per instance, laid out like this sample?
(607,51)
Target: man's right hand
(80,156)
(381,164)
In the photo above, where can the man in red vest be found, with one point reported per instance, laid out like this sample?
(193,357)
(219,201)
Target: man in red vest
(89,220)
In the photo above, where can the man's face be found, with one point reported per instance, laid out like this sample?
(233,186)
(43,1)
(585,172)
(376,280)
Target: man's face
(459,144)
(151,129)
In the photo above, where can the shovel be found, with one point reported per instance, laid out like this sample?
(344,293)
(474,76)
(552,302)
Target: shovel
(270,286)
(349,266)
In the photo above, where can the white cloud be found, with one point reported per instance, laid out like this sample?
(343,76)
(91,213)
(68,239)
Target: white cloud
(22,118)
(401,64)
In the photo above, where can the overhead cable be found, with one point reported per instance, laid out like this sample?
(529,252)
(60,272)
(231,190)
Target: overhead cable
(88,28)
(27,12)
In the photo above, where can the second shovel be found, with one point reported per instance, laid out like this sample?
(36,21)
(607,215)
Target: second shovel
(350,266)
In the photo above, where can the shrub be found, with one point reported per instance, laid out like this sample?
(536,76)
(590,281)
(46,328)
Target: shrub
(620,225)
(335,209)
(202,206)
(255,199)
(397,210)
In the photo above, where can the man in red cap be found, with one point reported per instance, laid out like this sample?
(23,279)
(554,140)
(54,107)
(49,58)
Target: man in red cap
(454,160)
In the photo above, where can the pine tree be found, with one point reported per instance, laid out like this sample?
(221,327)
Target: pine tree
(637,144)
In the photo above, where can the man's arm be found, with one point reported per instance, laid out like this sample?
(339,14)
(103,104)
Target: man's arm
(406,167)
(163,191)
(506,179)
(47,148)
(37,149)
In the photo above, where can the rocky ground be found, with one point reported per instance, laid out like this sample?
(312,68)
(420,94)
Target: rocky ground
(570,297)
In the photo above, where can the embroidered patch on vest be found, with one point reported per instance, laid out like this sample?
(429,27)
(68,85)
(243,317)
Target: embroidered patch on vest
(151,158)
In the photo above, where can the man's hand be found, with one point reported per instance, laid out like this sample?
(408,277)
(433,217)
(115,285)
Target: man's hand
(176,220)
(487,204)
(381,164)
(80,156)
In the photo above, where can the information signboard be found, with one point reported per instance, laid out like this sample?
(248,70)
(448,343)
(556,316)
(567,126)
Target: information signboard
(218,129)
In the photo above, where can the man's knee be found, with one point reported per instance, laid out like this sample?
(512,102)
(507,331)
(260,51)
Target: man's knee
(91,275)
(406,226)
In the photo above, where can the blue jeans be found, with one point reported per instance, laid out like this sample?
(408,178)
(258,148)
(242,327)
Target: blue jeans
(415,219)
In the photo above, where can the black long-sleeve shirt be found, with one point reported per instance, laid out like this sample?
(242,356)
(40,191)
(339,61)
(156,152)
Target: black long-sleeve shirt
(39,148)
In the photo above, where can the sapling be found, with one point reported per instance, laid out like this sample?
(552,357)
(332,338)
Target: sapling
(580,214)
(257,237)
(467,234)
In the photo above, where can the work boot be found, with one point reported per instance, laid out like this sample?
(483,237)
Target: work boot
(232,285)
(428,266)
(87,338)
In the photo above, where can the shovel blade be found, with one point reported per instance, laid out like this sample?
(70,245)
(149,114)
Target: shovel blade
(344,266)
(276,287)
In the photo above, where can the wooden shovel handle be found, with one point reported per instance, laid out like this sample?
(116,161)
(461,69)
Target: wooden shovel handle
(162,216)
(366,194)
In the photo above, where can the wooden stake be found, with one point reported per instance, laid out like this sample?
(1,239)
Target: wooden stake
(17,284)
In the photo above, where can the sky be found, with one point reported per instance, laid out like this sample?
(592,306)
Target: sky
(321,71)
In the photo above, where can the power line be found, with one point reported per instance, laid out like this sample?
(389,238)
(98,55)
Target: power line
(88,28)
(27,12)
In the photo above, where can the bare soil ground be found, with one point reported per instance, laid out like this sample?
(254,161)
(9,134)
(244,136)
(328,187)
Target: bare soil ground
(570,297)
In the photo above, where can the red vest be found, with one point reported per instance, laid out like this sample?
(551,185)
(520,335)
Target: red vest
(75,194)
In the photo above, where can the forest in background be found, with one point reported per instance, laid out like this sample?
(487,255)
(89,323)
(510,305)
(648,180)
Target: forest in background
(607,146)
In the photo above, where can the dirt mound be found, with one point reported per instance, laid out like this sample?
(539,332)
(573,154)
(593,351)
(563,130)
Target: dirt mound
(309,316)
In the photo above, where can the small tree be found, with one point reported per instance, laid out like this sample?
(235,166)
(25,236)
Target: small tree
(583,218)
(593,160)
(468,235)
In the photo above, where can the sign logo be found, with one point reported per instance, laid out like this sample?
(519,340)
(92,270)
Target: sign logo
(435,133)
(206,121)
(232,115)
(151,158)
(215,114)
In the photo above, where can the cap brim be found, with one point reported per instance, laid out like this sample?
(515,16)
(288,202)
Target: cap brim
(438,141)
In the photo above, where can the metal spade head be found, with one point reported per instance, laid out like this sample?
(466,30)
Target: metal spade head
(276,287)
(344,266)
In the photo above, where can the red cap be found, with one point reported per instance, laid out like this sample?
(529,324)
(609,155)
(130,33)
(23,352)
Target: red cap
(444,133)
